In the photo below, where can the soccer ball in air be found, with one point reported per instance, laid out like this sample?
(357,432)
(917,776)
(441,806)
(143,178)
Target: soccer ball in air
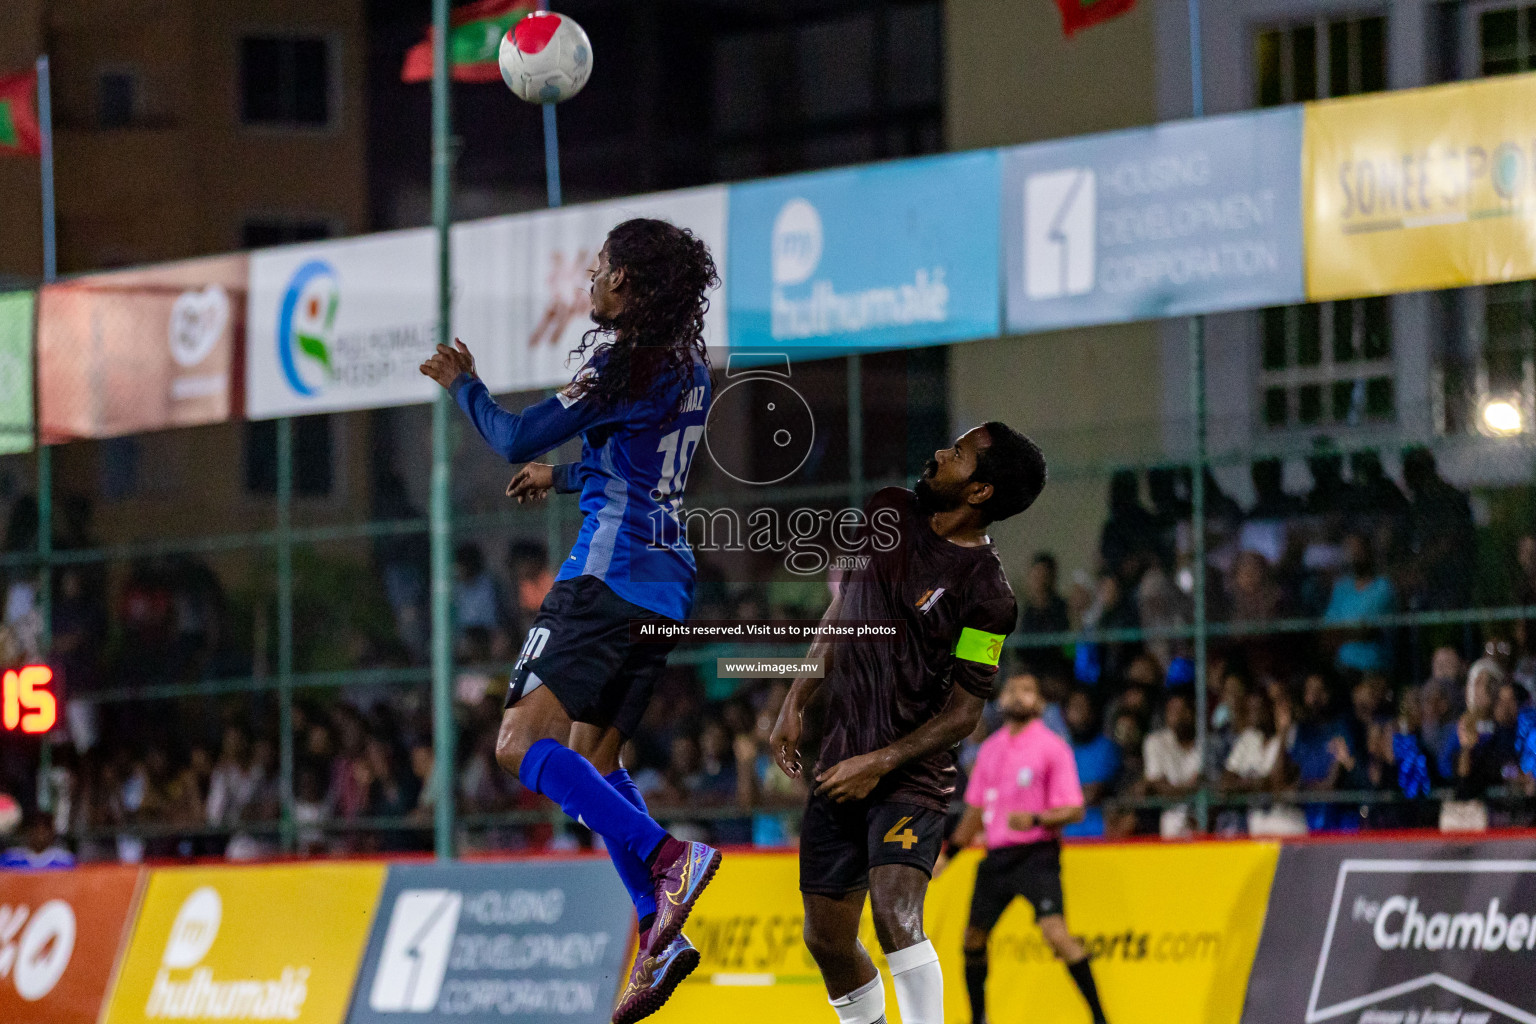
(546,58)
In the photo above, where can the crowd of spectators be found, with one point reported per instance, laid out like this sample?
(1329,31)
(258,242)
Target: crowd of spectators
(1331,728)
(1307,729)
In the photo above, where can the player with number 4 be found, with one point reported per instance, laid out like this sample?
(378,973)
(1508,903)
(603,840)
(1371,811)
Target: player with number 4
(581,682)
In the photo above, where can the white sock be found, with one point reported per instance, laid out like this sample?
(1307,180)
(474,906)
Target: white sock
(919,983)
(864,1005)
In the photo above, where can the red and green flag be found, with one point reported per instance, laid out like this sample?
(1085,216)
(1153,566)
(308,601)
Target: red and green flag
(19,133)
(1077,15)
(474,42)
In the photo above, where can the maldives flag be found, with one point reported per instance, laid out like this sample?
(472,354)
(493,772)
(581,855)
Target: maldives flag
(474,42)
(19,134)
(1077,15)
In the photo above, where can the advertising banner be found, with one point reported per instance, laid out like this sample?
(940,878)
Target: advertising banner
(1172,930)
(480,943)
(869,257)
(141,350)
(1421,188)
(522,300)
(1165,948)
(1399,933)
(16,372)
(341,324)
(247,944)
(61,933)
(1177,219)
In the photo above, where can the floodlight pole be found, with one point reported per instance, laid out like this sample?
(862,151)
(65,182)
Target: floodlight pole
(1197,476)
(45,453)
(441,508)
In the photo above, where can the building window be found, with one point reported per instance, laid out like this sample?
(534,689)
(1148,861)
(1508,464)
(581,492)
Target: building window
(311,456)
(285,82)
(1507,40)
(1327,365)
(1320,59)
(262,232)
(117,99)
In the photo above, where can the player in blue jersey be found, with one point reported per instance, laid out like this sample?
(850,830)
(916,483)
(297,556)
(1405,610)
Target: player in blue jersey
(582,682)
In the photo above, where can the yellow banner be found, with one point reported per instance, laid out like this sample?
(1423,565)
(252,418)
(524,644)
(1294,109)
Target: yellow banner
(1421,188)
(1173,930)
(247,944)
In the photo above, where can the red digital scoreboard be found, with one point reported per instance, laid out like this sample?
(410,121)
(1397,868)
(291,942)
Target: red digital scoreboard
(28,703)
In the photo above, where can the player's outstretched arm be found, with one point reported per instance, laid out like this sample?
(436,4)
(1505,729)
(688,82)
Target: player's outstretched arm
(516,437)
(854,778)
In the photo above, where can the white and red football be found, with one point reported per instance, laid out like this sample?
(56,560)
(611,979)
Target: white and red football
(546,58)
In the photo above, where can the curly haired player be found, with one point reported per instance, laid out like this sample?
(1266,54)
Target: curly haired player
(581,684)
(895,709)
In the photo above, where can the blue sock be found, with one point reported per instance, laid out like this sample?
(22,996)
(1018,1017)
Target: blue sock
(569,779)
(636,876)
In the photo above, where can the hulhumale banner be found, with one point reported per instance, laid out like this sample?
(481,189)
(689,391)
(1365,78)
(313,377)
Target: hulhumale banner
(1177,219)
(341,325)
(478,943)
(247,944)
(1399,933)
(870,257)
(16,372)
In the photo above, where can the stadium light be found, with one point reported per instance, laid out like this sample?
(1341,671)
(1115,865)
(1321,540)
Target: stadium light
(1502,417)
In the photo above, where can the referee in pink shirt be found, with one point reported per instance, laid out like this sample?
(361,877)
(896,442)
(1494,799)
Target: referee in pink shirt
(1023,790)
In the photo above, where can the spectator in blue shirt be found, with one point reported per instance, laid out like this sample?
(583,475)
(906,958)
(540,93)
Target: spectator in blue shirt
(1360,593)
(1098,761)
(40,848)
(1321,750)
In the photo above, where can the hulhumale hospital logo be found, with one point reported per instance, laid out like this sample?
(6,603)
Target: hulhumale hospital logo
(306,327)
(804,306)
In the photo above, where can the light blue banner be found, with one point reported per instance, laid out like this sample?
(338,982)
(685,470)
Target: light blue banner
(1177,219)
(884,256)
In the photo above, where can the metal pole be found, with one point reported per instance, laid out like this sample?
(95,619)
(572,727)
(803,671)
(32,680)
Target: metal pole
(285,738)
(44,453)
(45,126)
(551,156)
(551,146)
(1197,477)
(442,582)
(856,429)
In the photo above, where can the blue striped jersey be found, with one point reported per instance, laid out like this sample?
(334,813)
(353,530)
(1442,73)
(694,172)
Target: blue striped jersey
(633,469)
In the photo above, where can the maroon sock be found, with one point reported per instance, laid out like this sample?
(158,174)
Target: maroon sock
(667,851)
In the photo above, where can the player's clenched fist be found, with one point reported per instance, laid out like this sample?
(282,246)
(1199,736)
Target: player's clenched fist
(532,482)
(445,365)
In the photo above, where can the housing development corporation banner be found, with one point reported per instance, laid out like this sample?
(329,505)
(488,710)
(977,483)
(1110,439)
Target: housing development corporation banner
(1180,218)
(1421,188)
(247,944)
(15,372)
(141,350)
(529,941)
(1399,933)
(883,256)
(60,933)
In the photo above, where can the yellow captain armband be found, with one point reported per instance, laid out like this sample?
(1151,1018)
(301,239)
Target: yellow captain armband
(979,646)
